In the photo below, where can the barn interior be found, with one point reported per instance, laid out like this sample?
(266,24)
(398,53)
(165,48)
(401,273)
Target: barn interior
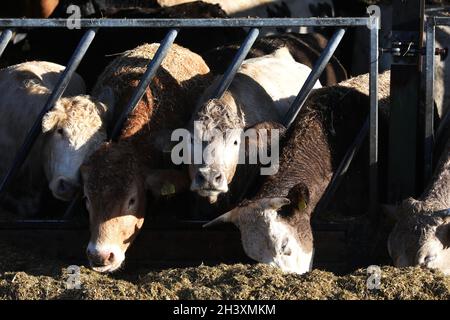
(174,257)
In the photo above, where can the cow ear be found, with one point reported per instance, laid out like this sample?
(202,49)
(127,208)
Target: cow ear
(228,217)
(52,118)
(278,203)
(107,103)
(167,182)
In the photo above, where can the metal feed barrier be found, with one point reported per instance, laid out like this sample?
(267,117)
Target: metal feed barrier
(92,26)
(429,67)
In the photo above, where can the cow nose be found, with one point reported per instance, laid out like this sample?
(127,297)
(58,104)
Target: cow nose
(429,259)
(64,189)
(217,178)
(200,178)
(100,258)
(211,178)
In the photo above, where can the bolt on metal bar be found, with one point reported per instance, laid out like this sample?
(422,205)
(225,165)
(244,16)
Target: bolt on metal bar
(152,68)
(429,99)
(313,77)
(341,171)
(373,115)
(34,132)
(4,40)
(191,23)
(233,68)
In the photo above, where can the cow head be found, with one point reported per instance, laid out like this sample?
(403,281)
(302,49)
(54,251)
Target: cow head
(74,129)
(220,141)
(272,238)
(114,195)
(420,238)
(216,133)
(115,185)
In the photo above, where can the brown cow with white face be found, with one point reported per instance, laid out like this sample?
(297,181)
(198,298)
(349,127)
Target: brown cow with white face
(115,176)
(421,236)
(275,224)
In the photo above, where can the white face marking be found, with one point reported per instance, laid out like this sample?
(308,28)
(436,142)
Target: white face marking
(74,137)
(268,239)
(63,161)
(220,157)
(421,240)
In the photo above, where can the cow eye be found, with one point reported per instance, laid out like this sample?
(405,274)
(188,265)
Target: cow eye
(235,142)
(284,247)
(60,131)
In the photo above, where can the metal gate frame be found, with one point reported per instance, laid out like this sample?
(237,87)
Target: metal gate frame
(429,67)
(92,26)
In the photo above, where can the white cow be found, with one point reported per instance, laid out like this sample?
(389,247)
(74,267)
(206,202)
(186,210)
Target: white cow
(263,90)
(72,130)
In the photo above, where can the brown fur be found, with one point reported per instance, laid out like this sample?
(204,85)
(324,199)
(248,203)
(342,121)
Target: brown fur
(316,144)
(167,104)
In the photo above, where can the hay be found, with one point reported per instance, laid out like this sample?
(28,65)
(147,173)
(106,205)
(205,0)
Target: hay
(28,276)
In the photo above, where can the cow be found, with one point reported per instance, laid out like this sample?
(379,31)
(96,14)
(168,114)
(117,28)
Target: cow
(305,48)
(43,44)
(59,151)
(28,9)
(115,176)
(268,8)
(262,90)
(421,235)
(275,224)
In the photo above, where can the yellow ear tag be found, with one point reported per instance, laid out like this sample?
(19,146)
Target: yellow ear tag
(168,189)
(302,204)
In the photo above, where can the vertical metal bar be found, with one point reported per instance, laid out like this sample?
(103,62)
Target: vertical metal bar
(4,40)
(233,68)
(429,99)
(343,167)
(313,77)
(34,132)
(373,116)
(152,68)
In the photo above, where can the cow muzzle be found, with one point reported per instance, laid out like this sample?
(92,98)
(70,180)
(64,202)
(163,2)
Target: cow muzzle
(64,189)
(209,183)
(104,258)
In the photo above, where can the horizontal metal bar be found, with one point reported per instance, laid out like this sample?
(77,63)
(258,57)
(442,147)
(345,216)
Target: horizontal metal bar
(183,23)
(233,68)
(313,77)
(56,94)
(441,21)
(4,40)
(149,226)
(152,68)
